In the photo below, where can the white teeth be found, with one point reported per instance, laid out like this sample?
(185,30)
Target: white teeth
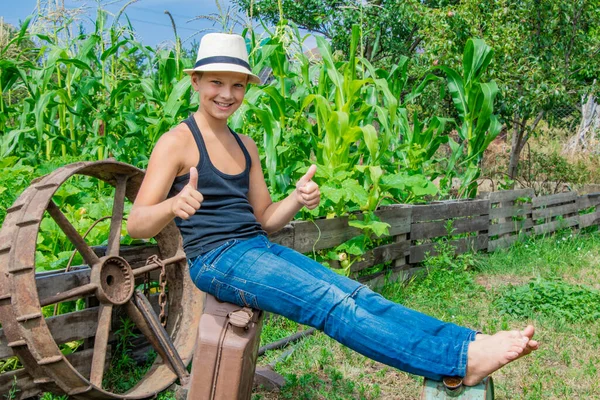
(223,104)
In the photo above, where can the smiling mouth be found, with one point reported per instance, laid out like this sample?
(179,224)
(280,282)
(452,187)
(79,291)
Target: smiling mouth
(223,104)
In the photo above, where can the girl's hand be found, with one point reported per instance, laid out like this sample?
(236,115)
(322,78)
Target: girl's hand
(189,199)
(307,191)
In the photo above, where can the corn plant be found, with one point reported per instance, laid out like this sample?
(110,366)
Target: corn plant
(420,142)
(474,102)
(338,106)
(91,96)
(327,110)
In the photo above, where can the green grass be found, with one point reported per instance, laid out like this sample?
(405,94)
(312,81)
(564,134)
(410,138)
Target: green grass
(531,282)
(474,290)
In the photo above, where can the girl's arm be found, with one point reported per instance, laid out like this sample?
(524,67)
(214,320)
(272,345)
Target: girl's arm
(152,211)
(274,216)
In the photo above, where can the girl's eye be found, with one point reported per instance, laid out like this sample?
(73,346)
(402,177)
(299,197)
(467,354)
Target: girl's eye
(239,85)
(216,82)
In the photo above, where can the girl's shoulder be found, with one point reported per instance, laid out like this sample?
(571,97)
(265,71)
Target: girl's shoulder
(179,134)
(247,140)
(175,146)
(178,138)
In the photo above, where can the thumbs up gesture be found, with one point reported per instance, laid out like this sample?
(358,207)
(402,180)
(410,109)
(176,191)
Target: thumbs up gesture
(189,199)
(307,191)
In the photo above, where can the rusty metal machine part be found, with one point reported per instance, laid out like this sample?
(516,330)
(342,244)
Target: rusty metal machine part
(111,281)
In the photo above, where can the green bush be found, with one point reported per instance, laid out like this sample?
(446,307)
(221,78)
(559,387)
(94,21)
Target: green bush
(546,173)
(552,299)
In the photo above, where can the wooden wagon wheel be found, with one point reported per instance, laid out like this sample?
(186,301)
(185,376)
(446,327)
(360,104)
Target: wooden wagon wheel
(109,277)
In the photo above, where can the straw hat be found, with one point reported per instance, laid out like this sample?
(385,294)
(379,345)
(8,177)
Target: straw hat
(223,52)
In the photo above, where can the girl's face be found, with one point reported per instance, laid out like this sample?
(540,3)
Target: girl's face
(221,93)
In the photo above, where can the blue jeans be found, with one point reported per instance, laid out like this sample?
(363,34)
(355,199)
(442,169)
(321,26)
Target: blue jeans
(259,274)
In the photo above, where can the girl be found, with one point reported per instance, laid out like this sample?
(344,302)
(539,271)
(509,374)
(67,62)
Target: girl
(209,180)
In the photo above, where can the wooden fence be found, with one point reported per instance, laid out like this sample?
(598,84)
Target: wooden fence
(493,221)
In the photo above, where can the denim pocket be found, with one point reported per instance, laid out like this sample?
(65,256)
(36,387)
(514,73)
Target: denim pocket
(213,256)
(225,292)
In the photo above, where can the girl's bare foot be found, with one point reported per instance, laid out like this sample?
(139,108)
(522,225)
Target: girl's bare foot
(528,331)
(490,353)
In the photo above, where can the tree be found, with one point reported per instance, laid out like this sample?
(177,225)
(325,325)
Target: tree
(388,27)
(545,50)
(546,54)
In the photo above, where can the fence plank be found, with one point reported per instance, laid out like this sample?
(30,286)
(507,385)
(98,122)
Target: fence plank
(556,225)
(510,211)
(454,209)
(504,242)
(552,199)
(594,198)
(322,234)
(508,195)
(398,216)
(284,236)
(336,231)
(136,256)
(381,254)
(426,230)
(586,220)
(81,360)
(52,284)
(587,201)
(554,211)
(510,227)
(64,328)
(419,253)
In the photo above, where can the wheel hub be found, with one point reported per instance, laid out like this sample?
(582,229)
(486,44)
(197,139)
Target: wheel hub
(114,280)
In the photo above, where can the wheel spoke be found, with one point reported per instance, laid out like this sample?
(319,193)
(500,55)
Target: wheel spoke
(117,217)
(141,312)
(101,344)
(74,293)
(86,251)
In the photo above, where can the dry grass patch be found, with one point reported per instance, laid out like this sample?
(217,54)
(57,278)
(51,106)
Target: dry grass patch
(586,276)
(497,281)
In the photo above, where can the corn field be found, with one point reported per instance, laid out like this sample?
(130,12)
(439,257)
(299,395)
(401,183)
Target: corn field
(104,94)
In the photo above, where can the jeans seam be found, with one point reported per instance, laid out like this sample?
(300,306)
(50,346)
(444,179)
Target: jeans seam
(462,359)
(225,248)
(218,285)
(355,291)
(201,270)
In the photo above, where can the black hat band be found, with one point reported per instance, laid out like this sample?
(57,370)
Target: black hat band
(222,60)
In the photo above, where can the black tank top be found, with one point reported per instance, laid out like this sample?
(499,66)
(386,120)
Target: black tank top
(225,213)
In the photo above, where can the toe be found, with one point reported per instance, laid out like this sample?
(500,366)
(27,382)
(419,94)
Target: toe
(528,331)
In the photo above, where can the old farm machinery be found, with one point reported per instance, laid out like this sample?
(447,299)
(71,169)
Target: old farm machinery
(111,282)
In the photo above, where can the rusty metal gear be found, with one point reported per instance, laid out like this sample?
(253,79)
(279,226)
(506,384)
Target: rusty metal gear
(110,278)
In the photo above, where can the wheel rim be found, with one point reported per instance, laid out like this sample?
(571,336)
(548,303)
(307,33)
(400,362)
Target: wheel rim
(111,280)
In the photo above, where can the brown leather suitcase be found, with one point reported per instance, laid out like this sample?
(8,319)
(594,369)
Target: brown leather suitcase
(225,356)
